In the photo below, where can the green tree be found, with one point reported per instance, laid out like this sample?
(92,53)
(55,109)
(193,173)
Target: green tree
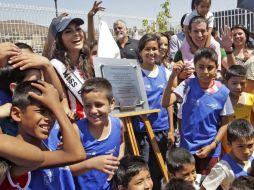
(161,21)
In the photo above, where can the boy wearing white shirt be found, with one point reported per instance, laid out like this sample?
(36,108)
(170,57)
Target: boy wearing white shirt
(237,163)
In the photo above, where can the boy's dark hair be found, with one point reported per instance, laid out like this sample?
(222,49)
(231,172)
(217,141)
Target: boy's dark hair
(179,184)
(177,157)
(195,3)
(22,45)
(239,129)
(235,71)
(243,183)
(197,20)
(129,167)
(98,84)
(182,19)
(144,40)
(21,98)
(9,74)
(207,53)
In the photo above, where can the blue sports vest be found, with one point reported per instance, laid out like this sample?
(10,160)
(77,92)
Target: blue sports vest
(154,90)
(8,127)
(5,97)
(238,171)
(54,137)
(52,179)
(201,117)
(94,179)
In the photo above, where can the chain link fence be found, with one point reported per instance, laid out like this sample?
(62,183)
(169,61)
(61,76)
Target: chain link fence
(29,24)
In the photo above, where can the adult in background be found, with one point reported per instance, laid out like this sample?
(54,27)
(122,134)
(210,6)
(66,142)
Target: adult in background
(72,61)
(198,31)
(235,42)
(128,46)
(176,40)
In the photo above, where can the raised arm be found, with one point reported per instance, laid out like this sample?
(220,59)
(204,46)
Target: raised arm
(91,31)
(227,44)
(19,152)
(169,97)
(31,60)
(23,156)
(72,150)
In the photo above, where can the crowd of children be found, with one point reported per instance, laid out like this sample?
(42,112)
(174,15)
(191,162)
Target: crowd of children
(56,131)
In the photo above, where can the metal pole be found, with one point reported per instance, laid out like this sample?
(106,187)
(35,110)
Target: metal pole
(56,7)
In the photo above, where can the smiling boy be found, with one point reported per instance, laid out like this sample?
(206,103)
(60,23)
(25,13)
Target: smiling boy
(205,109)
(35,105)
(101,136)
(237,163)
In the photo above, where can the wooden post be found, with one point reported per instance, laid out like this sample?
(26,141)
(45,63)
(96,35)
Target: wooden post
(143,114)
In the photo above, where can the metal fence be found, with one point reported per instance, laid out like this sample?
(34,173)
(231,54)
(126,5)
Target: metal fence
(233,17)
(29,24)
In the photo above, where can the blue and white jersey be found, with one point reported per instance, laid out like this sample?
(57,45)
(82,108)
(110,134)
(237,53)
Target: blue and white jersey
(52,179)
(237,169)
(8,126)
(201,114)
(225,172)
(154,87)
(94,179)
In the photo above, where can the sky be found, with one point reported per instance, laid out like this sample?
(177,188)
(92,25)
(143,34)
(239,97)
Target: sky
(134,10)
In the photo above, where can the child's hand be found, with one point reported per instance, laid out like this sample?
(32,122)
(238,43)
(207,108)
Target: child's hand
(73,116)
(28,60)
(171,138)
(204,152)
(178,67)
(96,8)
(106,163)
(49,97)
(186,73)
(7,50)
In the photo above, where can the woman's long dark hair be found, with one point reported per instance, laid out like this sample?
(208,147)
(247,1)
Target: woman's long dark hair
(247,42)
(85,62)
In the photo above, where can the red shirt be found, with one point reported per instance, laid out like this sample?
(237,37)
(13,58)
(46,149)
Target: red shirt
(18,183)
